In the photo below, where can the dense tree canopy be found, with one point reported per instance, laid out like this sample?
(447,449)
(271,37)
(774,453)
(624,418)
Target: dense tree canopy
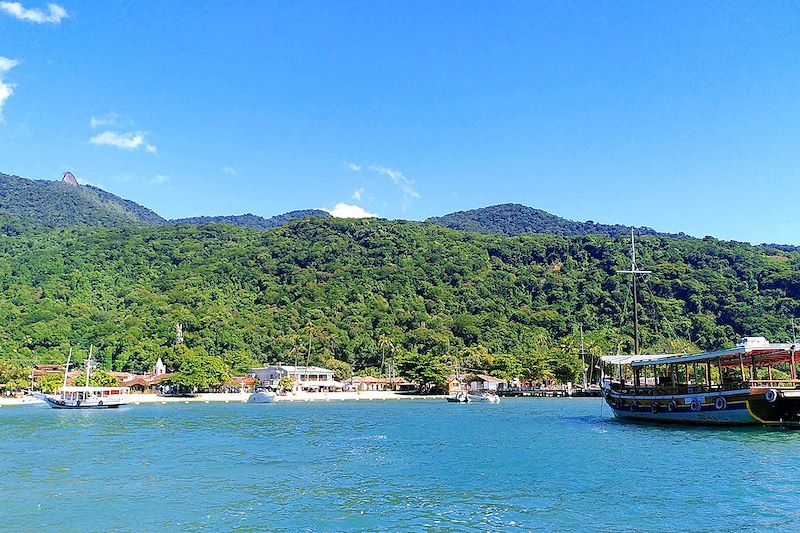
(516,219)
(373,290)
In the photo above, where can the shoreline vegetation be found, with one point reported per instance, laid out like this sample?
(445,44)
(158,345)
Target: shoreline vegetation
(372,297)
(241,397)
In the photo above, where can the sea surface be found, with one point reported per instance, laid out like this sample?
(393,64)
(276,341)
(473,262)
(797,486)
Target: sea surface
(411,465)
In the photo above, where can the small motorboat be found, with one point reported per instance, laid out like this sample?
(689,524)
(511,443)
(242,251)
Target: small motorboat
(459,397)
(262,395)
(485,396)
(31,399)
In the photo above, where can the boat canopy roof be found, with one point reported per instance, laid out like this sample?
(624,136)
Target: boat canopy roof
(762,352)
(764,355)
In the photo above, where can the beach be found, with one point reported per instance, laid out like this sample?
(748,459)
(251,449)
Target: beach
(241,397)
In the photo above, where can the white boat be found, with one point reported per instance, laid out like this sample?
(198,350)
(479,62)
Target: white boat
(262,396)
(86,397)
(469,397)
(459,397)
(31,399)
(484,397)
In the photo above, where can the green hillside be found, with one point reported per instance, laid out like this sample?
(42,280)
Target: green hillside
(366,289)
(516,219)
(253,221)
(55,204)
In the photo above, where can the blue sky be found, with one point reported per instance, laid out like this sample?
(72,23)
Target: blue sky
(679,116)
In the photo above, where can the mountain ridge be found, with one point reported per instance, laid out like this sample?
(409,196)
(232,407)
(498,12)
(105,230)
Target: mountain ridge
(512,219)
(51,204)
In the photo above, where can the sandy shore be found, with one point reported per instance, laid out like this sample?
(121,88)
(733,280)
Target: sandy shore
(242,397)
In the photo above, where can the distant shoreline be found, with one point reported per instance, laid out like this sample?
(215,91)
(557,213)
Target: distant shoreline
(137,399)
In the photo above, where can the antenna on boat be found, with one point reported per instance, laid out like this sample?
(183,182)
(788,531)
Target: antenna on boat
(633,271)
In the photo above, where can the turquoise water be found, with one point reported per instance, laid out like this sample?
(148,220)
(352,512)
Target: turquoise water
(522,465)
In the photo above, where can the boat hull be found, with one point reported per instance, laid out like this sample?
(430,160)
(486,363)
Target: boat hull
(729,408)
(261,397)
(56,403)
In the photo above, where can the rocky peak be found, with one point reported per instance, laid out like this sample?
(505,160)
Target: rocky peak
(69,179)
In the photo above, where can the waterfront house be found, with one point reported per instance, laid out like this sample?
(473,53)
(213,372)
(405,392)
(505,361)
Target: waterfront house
(145,383)
(454,384)
(239,384)
(370,383)
(485,382)
(306,378)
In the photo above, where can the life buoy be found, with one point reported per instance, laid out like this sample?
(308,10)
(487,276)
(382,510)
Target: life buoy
(654,408)
(672,405)
(632,406)
(771,395)
(100,403)
(78,403)
(720,403)
(695,405)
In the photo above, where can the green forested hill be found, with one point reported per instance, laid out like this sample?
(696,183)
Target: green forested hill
(367,287)
(26,203)
(516,219)
(55,204)
(253,221)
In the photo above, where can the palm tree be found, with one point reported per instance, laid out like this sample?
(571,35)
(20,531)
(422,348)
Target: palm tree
(313,332)
(384,342)
(295,351)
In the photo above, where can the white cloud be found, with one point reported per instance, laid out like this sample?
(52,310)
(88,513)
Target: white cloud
(7,64)
(16,10)
(159,179)
(357,193)
(109,119)
(343,210)
(230,171)
(351,166)
(6,89)
(124,141)
(402,182)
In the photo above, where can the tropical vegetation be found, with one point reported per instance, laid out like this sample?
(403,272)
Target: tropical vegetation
(369,295)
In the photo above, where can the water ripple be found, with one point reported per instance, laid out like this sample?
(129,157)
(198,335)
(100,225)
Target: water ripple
(522,465)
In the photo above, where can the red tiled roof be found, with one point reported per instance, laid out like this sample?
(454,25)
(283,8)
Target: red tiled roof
(242,380)
(157,379)
(135,380)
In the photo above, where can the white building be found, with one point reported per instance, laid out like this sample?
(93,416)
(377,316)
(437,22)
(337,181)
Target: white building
(483,382)
(306,378)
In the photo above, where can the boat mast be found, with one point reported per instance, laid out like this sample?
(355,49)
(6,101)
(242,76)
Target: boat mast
(633,271)
(89,364)
(583,358)
(66,368)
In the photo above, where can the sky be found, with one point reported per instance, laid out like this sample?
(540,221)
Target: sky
(680,116)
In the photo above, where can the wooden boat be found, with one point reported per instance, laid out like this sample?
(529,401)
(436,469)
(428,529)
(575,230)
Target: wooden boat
(684,388)
(86,397)
(721,387)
